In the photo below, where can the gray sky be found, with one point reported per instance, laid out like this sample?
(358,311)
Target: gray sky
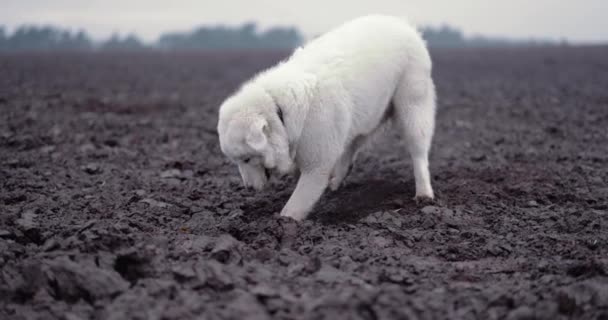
(577,21)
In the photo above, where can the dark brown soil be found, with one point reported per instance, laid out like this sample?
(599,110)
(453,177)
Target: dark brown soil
(116,203)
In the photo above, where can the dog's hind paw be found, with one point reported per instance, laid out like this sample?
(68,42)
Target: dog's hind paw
(338,176)
(424,200)
(334,184)
(294,216)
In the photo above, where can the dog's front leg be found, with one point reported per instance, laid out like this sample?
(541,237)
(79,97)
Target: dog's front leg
(309,189)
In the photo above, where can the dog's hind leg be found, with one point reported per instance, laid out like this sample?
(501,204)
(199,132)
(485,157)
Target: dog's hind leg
(414,102)
(342,169)
(345,163)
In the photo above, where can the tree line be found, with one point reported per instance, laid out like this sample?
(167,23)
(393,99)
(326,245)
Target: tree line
(446,36)
(246,36)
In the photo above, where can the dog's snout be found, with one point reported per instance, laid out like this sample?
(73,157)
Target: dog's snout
(267,173)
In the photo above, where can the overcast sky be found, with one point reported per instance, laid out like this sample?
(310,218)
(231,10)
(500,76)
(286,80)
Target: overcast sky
(577,21)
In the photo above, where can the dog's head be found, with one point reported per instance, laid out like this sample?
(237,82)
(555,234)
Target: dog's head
(253,135)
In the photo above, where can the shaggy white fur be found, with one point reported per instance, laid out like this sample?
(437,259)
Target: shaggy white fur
(314,111)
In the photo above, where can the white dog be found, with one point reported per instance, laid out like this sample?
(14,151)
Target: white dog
(314,111)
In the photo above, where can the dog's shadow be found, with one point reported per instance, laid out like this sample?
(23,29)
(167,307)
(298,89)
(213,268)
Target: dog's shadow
(358,199)
(353,201)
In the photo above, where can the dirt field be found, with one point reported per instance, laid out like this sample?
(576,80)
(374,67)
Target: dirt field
(116,203)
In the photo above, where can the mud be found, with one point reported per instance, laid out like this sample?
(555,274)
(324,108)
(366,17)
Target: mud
(116,203)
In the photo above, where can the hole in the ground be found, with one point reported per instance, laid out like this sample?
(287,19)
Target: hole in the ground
(130,267)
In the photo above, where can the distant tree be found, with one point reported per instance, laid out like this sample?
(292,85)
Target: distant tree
(80,40)
(44,38)
(223,37)
(445,36)
(481,41)
(247,34)
(171,40)
(33,38)
(281,38)
(2,38)
(130,42)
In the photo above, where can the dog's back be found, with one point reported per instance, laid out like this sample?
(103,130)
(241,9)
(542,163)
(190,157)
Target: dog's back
(368,58)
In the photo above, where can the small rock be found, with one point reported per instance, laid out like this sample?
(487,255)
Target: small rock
(246,306)
(329,274)
(26,222)
(187,174)
(592,244)
(494,248)
(436,210)
(382,242)
(235,214)
(183,272)
(521,313)
(479,157)
(87,225)
(532,203)
(155,203)
(290,231)
(227,249)
(262,290)
(453,231)
(463,124)
(172,181)
(430,210)
(50,245)
(47,149)
(399,277)
(171,173)
(92,168)
(543,265)
(398,202)
(15,199)
(13,163)
(214,274)
(370,218)
(264,254)
(5,234)
(75,279)
(72,316)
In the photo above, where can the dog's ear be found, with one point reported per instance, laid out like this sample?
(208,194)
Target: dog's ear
(256,137)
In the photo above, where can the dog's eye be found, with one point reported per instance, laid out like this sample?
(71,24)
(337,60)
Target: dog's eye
(246,160)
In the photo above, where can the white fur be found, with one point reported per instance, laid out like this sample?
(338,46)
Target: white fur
(334,93)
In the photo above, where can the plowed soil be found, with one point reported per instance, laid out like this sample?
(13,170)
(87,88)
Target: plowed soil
(116,202)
